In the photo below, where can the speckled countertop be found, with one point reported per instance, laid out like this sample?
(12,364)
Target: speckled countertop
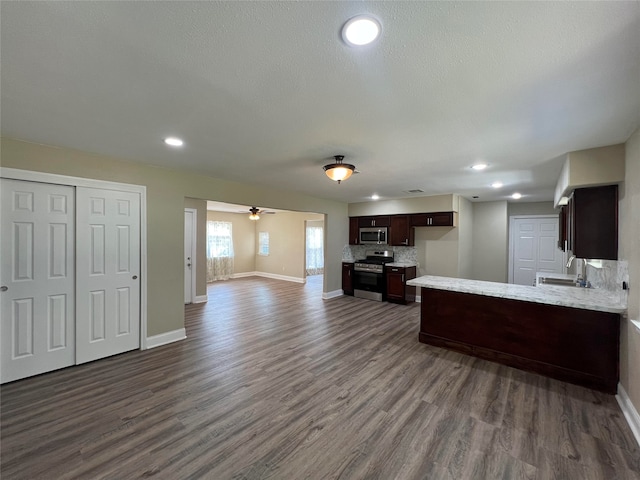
(585,298)
(400,264)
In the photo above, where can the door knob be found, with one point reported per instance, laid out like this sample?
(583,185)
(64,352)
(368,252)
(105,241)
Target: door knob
(135,277)
(4,288)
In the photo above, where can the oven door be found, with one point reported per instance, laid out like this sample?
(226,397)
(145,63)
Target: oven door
(369,285)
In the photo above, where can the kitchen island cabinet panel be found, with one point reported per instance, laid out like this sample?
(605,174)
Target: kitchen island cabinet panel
(570,344)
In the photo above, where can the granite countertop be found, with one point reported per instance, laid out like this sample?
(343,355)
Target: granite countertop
(584,298)
(401,264)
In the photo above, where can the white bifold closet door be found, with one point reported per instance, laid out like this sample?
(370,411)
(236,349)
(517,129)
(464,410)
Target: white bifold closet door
(37,273)
(107,271)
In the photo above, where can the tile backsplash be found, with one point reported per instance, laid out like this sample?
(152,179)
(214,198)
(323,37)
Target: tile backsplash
(351,253)
(608,274)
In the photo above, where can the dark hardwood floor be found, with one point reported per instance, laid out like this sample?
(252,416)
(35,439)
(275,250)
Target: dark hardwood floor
(274,382)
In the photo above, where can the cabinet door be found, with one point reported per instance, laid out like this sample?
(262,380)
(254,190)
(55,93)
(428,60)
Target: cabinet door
(377,221)
(395,284)
(437,219)
(353,230)
(347,278)
(400,233)
(595,222)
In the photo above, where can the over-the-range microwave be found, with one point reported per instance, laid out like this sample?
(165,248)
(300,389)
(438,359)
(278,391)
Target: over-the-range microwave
(373,236)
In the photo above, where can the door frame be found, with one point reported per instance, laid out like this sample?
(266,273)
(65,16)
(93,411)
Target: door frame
(44,177)
(512,240)
(194,251)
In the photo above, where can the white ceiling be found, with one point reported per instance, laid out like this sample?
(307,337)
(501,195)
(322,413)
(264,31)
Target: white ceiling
(266,92)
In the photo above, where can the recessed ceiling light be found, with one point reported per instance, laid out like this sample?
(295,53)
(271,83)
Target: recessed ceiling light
(375,196)
(496,185)
(361,30)
(516,196)
(479,166)
(174,141)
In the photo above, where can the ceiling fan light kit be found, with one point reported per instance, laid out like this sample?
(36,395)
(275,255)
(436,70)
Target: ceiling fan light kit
(254,213)
(339,171)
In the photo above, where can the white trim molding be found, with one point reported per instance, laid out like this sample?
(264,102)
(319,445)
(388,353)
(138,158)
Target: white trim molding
(270,275)
(334,294)
(166,338)
(629,411)
(201,299)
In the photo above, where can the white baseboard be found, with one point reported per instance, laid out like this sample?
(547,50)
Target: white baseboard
(201,299)
(165,338)
(418,299)
(270,275)
(334,294)
(629,411)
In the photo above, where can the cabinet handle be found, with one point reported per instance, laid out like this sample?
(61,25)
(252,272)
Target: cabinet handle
(403,278)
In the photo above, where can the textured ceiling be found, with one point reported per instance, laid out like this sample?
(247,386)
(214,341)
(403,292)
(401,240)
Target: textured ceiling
(266,92)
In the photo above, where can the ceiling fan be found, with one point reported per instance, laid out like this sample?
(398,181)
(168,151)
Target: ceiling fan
(255,212)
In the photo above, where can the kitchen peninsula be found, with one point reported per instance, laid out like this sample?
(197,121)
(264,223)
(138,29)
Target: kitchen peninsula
(568,333)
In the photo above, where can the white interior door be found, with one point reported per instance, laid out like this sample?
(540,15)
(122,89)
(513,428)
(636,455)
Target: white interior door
(107,271)
(37,246)
(189,252)
(534,248)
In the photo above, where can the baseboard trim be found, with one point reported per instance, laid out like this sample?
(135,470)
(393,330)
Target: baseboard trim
(201,299)
(244,274)
(281,277)
(629,411)
(165,338)
(334,294)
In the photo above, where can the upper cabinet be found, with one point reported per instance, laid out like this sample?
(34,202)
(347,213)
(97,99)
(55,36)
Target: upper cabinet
(437,219)
(591,220)
(377,221)
(589,223)
(353,230)
(400,232)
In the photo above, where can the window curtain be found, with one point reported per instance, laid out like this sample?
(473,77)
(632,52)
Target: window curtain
(219,251)
(315,251)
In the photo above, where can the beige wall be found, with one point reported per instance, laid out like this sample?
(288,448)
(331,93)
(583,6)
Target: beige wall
(490,241)
(244,239)
(629,250)
(200,261)
(531,208)
(465,239)
(433,203)
(286,243)
(166,191)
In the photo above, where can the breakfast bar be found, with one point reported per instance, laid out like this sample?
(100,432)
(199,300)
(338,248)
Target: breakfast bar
(568,333)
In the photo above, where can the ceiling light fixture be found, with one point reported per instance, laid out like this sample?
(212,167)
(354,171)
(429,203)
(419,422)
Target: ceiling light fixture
(496,185)
(479,166)
(516,196)
(174,141)
(375,196)
(254,213)
(339,171)
(361,30)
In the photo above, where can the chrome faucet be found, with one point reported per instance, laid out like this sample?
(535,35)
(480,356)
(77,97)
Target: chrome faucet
(571,259)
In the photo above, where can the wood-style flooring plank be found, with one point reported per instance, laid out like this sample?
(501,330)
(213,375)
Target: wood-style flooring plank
(273,382)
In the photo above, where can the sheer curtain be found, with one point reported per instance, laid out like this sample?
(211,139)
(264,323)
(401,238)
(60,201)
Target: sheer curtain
(315,251)
(219,251)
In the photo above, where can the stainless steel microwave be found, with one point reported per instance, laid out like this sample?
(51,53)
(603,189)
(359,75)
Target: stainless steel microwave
(373,236)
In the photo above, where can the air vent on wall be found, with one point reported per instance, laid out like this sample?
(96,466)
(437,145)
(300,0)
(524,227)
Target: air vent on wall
(415,190)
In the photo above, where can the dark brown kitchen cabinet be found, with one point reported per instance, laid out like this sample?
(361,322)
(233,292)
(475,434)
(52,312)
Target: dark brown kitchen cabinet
(593,222)
(347,278)
(437,219)
(353,231)
(397,289)
(377,221)
(562,228)
(400,233)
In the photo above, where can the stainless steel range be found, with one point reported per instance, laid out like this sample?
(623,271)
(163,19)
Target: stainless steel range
(369,279)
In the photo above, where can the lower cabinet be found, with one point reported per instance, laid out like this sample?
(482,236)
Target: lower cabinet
(397,289)
(347,278)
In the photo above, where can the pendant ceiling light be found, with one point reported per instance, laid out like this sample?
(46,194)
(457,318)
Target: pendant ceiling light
(339,171)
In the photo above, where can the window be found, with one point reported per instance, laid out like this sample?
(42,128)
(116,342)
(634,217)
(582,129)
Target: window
(219,240)
(314,253)
(263,243)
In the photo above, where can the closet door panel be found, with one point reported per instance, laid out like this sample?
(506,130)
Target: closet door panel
(37,329)
(108,270)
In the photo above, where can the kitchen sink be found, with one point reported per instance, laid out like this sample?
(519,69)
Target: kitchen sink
(566,282)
